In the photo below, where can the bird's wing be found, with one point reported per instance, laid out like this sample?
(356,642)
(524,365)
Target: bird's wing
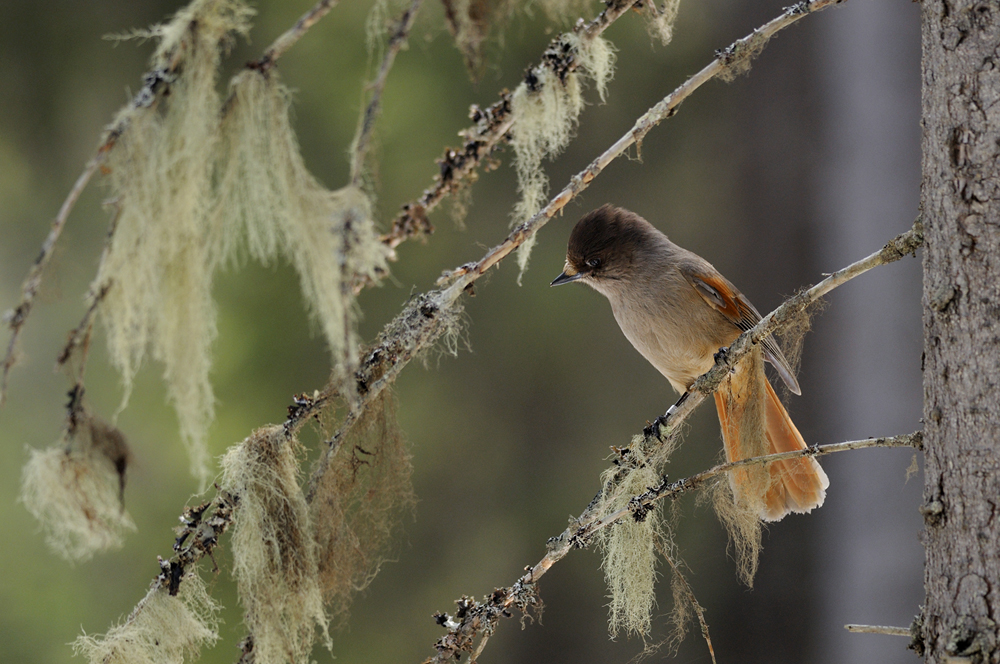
(724,298)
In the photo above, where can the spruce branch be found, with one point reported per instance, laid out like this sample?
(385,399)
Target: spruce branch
(735,56)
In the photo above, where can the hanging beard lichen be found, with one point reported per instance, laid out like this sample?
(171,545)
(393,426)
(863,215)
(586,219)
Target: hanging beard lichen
(267,196)
(629,547)
(75,488)
(661,19)
(161,630)
(358,501)
(274,552)
(471,22)
(545,109)
(158,264)
(740,498)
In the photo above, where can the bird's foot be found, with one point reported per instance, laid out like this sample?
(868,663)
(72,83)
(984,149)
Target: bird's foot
(720,355)
(653,428)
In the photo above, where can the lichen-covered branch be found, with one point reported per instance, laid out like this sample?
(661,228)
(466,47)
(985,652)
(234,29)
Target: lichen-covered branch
(475,618)
(493,124)
(156,83)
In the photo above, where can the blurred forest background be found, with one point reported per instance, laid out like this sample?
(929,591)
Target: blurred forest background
(806,164)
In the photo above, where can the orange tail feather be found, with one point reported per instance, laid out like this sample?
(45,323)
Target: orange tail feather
(797,485)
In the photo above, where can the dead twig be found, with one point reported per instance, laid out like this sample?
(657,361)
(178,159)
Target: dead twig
(366,125)
(288,38)
(16,317)
(878,629)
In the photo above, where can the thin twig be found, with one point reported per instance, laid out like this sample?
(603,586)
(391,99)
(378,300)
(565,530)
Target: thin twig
(29,289)
(79,336)
(366,125)
(673,489)
(493,125)
(288,38)
(699,611)
(878,629)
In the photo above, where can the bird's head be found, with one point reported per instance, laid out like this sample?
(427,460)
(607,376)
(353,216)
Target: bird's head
(604,247)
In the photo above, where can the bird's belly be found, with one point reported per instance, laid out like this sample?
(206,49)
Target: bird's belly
(672,349)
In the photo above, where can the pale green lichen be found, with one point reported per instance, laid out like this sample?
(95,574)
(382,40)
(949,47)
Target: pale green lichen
(661,19)
(161,630)
(629,548)
(74,489)
(274,550)
(158,263)
(545,115)
(268,203)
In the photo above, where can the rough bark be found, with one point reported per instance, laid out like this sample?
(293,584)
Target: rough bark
(961,203)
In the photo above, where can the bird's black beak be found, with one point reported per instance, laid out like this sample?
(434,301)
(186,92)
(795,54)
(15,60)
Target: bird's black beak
(567,276)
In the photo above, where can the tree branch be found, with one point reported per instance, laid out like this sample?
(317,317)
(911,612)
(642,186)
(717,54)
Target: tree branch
(732,58)
(16,317)
(483,617)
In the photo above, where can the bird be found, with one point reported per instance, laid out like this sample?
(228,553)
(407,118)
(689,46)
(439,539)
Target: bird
(678,311)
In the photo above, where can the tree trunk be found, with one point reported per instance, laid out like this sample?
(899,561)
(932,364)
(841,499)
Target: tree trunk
(961,204)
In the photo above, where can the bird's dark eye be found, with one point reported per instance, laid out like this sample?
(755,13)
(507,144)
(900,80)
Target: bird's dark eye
(594,263)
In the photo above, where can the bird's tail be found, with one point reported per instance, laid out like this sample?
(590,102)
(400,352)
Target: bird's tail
(791,485)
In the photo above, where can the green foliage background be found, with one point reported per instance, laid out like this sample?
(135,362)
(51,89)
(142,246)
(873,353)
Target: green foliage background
(509,437)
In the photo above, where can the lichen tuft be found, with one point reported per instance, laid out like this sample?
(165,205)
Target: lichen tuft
(629,548)
(274,551)
(161,630)
(75,488)
(545,109)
